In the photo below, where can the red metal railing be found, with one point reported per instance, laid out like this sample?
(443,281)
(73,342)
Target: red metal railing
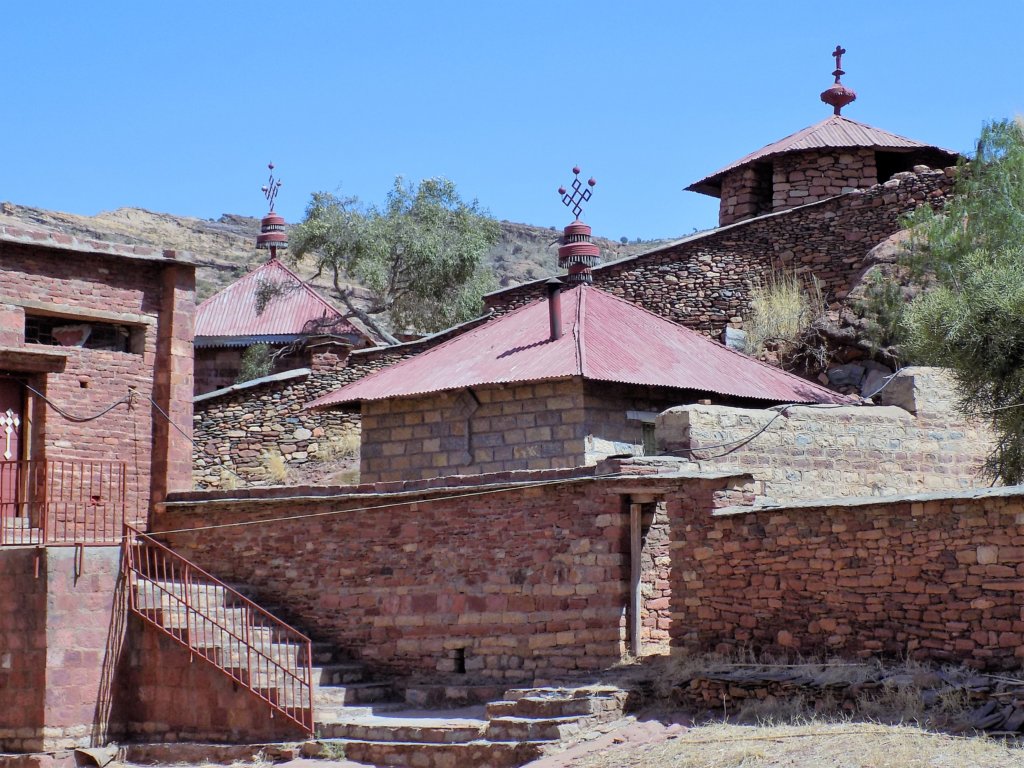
(214,621)
(62,502)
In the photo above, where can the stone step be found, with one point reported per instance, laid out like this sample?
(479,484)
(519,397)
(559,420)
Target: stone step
(409,726)
(604,705)
(354,693)
(529,706)
(532,728)
(339,674)
(329,714)
(451,695)
(423,755)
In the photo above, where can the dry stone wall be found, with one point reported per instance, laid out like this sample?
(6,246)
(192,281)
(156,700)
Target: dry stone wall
(704,281)
(254,433)
(936,578)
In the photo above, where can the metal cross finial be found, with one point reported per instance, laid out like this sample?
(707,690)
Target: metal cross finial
(837,54)
(271,187)
(579,195)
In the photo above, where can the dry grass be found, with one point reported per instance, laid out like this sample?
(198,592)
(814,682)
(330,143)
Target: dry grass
(782,307)
(276,467)
(339,447)
(807,745)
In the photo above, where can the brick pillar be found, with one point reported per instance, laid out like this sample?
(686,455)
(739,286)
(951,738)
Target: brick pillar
(172,383)
(12,325)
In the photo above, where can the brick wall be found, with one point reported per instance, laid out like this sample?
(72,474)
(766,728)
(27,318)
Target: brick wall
(496,429)
(153,298)
(530,581)
(504,428)
(165,695)
(703,281)
(929,577)
(814,452)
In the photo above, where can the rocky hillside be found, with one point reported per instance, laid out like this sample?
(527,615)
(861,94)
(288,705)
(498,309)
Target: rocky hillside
(224,247)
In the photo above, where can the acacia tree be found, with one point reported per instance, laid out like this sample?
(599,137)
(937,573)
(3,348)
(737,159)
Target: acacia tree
(972,317)
(419,256)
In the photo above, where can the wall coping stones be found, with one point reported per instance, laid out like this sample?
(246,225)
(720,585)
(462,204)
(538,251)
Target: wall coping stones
(1008,491)
(444,484)
(21,234)
(296,373)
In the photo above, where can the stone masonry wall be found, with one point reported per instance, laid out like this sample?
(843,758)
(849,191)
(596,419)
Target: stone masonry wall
(703,281)
(238,428)
(936,578)
(58,647)
(165,695)
(22,651)
(807,177)
(811,452)
(240,434)
(745,193)
(530,581)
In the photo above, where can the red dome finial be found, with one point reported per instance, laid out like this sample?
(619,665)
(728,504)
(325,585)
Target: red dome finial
(838,96)
(578,253)
(273,234)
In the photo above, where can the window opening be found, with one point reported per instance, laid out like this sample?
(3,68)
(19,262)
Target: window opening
(87,334)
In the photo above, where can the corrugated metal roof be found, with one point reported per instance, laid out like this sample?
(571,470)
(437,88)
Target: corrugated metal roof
(604,338)
(232,311)
(835,132)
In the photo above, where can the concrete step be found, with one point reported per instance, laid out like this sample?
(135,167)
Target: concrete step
(471,754)
(532,728)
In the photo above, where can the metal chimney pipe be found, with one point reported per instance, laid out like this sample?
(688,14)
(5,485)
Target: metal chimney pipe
(554,286)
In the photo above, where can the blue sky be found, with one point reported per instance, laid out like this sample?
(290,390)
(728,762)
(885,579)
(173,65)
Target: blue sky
(177,107)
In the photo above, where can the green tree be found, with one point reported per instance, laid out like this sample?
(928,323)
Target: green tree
(419,256)
(972,317)
(257,362)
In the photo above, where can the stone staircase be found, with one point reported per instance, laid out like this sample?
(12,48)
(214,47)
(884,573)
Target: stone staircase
(379,722)
(522,725)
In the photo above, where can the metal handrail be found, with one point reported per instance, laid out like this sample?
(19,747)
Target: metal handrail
(238,637)
(61,501)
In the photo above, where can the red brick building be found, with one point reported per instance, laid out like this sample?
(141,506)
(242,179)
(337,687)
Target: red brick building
(95,418)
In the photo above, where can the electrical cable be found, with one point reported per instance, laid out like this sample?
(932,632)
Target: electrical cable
(79,419)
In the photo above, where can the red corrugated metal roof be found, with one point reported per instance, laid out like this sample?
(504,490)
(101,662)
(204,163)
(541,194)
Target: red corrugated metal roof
(835,132)
(232,311)
(604,338)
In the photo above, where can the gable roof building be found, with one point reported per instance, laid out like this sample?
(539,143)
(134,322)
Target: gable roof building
(270,305)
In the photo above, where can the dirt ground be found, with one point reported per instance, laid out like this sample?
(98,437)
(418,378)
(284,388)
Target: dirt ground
(662,743)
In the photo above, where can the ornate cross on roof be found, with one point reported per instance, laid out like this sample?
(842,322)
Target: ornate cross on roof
(271,187)
(575,200)
(838,95)
(837,54)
